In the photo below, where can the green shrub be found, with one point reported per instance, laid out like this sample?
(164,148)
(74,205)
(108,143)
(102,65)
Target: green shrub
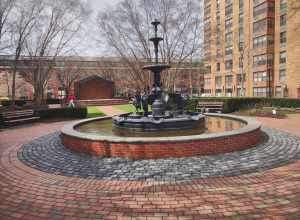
(63,113)
(52,101)
(17,102)
(23,102)
(236,104)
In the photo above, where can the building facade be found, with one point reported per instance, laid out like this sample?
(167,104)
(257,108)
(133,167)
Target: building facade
(252,48)
(186,79)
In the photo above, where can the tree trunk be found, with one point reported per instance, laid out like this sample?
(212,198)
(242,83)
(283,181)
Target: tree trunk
(13,87)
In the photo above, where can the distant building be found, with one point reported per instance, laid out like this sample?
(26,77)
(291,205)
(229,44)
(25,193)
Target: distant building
(252,48)
(187,79)
(94,87)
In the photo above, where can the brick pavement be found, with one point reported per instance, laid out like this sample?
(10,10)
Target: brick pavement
(110,110)
(29,194)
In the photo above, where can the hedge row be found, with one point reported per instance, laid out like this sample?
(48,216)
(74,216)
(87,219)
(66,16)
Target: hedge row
(63,113)
(236,104)
(23,102)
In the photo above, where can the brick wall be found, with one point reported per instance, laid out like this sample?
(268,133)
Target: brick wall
(94,89)
(138,151)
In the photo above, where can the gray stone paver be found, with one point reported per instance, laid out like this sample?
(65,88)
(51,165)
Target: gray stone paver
(49,155)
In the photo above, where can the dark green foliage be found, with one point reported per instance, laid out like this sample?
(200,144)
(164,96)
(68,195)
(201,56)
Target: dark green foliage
(52,101)
(63,113)
(17,102)
(23,102)
(236,104)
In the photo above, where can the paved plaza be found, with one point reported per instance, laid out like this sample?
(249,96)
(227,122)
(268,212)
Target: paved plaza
(43,180)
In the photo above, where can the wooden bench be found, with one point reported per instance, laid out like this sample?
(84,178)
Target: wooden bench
(206,107)
(18,116)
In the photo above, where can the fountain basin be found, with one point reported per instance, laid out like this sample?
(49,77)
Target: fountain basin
(145,124)
(138,148)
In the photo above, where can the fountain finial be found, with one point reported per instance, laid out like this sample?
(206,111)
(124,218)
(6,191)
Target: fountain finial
(156,39)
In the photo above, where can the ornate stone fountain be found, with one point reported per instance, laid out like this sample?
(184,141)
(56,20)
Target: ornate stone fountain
(159,119)
(173,133)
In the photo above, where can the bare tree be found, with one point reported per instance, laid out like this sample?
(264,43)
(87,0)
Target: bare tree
(57,27)
(25,18)
(68,74)
(127,29)
(6,7)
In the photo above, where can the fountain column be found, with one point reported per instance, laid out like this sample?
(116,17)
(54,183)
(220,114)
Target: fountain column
(158,107)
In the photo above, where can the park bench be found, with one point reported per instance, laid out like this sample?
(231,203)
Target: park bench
(207,107)
(18,116)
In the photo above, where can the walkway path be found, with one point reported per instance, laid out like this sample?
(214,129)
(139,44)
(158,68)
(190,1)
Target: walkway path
(290,124)
(110,110)
(28,194)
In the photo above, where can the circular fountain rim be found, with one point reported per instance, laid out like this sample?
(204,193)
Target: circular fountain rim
(70,130)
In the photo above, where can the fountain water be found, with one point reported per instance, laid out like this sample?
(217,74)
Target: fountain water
(159,119)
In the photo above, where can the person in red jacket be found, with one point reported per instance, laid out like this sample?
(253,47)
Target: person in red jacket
(71,99)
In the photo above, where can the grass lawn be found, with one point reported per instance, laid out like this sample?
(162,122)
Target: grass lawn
(94,112)
(127,108)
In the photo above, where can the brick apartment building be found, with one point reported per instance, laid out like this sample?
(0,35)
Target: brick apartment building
(188,79)
(252,48)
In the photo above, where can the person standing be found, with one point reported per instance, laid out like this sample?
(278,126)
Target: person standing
(71,100)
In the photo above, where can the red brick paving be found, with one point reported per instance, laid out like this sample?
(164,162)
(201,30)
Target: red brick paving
(28,194)
(110,110)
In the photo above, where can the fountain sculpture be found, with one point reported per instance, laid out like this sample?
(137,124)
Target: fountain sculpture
(159,119)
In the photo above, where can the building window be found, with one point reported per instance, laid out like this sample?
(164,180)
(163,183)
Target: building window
(228,10)
(259,60)
(282,37)
(207,92)
(228,64)
(208,69)
(241,5)
(218,67)
(241,34)
(228,24)
(263,60)
(228,2)
(263,41)
(278,91)
(282,75)
(260,41)
(262,25)
(228,50)
(262,92)
(207,82)
(283,4)
(241,19)
(218,92)
(262,9)
(218,80)
(283,20)
(228,38)
(228,81)
(261,77)
(241,62)
(282,57)
(218,4)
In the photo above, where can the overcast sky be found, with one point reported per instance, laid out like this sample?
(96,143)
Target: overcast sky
(100,4)
(90,46)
